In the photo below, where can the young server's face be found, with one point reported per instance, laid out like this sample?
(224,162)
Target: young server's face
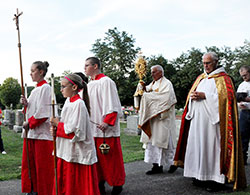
(89,68)
(36,74)
(66,88)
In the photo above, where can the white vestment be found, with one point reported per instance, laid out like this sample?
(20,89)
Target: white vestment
(245,87)
(104,100)
(202,158)
(39,106)
(81,148)
(157,106)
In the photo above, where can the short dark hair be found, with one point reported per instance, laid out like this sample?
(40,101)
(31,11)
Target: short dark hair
(94,60)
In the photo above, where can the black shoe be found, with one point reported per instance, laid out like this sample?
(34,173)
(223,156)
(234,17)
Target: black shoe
(155,170)
(172,169)
(116,190)
(199,183)
(32,193)
(102,187)
(215,187)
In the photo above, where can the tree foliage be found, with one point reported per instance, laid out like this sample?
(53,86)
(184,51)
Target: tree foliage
(188,66)
(117,53)
(10,92)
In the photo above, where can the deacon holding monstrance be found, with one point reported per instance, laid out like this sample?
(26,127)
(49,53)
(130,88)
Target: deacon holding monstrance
(156,105)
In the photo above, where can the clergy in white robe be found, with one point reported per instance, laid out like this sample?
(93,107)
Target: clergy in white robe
(209,144)
(105,109)
(157,120)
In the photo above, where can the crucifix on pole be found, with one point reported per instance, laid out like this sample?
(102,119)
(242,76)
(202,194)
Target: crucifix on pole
(16,18)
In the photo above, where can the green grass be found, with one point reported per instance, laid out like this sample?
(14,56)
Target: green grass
(131,146)
(10,164)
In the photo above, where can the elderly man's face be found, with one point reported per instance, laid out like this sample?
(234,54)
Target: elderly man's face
(209,64)
(156,74)
(245,75)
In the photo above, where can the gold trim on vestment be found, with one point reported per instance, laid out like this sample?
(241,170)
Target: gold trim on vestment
(236,170)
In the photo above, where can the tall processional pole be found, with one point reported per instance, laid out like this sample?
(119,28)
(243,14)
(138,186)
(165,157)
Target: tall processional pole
(16,18)
(54,136)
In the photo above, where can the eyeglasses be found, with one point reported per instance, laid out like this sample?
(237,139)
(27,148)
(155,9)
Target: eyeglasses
(207,63)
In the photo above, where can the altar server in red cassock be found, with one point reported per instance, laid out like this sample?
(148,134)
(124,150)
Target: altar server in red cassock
(75,143)
(105,109)
(40,145)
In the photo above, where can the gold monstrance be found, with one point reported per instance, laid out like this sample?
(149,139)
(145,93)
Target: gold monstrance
(140,69)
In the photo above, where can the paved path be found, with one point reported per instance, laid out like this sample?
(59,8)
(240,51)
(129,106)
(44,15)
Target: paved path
(138,183)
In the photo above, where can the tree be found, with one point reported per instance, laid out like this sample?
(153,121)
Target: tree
(188,66)
(242,57)
(117,53)
(169,69)
(10,92)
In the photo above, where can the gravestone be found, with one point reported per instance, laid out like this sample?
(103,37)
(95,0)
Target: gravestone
(6,117)
(132,125)
(11,119)
(19,121)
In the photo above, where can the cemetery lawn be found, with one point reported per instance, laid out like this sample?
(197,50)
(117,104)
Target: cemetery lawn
(10,164)
(131,146)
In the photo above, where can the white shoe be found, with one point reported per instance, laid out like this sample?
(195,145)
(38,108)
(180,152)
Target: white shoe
(3,152)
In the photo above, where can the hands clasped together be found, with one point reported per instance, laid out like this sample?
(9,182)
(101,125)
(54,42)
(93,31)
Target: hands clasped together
(197,96)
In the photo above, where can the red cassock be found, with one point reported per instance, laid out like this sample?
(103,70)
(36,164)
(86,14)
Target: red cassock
(41,167)
(110,166)
(40,150)
(75,178)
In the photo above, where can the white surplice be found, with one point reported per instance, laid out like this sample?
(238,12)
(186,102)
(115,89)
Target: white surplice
(202,158)
(39,106)
(81,148)
(245,87)
(104,100)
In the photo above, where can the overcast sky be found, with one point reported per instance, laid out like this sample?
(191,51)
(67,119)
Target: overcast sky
(62,31)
